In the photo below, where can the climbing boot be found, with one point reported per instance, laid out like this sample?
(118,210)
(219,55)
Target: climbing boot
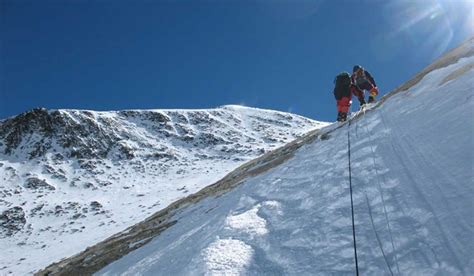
(339,117)
(343,116)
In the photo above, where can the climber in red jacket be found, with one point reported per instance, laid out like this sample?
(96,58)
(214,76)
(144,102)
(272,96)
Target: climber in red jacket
(343,91)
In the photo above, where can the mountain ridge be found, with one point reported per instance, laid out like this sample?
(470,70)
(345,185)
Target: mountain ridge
(63,171)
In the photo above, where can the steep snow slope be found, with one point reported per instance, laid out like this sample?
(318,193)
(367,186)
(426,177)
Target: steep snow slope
(412,175)
(71,178)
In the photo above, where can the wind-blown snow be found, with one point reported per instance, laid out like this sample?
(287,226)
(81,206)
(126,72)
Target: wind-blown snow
(88,175)
(227,257)
(412,175)
(248,222)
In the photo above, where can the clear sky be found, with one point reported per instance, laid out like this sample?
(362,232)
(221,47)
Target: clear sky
(276,54)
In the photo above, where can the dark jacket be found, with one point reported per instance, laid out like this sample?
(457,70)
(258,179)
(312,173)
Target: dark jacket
(364,81)
(348,92)
(342,92)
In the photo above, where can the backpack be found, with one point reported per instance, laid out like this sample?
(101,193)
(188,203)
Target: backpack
(342,84)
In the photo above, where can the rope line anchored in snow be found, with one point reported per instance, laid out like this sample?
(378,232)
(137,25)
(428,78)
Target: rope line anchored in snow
(377,235)
(383,200)
(367,200)
(352,201)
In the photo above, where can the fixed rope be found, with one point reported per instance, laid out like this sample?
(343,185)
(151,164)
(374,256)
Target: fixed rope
(377,235)
(383,203)
(383,200)
(352,201)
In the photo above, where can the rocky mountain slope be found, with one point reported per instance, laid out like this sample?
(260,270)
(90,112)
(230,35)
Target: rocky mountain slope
(70,178)
(289,211)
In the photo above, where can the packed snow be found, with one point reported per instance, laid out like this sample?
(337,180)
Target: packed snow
(412,175)
(77,177)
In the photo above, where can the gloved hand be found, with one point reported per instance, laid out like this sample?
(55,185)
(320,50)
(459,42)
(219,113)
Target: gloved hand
(374,91)
(362,101)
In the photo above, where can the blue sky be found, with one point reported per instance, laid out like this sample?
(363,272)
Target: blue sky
(276,54)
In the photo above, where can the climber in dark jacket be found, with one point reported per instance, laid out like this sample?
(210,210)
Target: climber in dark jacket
(363,80)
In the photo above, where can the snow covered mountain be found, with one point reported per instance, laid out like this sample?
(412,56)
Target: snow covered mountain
(289,211)
(71,178)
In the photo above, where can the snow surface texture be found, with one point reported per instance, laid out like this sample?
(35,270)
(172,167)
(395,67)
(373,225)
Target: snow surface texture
(412,175)
(69,178)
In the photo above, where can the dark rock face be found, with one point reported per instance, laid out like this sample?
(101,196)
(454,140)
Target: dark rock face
(38,184)
(95,205)
(149,115)
(13,130)
(81,135)
(11,221)
(209,139)
(86,135)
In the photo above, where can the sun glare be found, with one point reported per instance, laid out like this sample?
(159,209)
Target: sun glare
(460,11)
(429,25)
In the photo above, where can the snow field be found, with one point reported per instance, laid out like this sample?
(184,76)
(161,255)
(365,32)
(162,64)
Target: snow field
(412,175)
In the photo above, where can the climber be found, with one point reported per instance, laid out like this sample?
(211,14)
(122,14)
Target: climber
(343,91)
(362,80)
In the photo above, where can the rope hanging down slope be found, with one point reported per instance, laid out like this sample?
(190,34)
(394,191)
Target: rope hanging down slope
(352,201)
(383,201)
